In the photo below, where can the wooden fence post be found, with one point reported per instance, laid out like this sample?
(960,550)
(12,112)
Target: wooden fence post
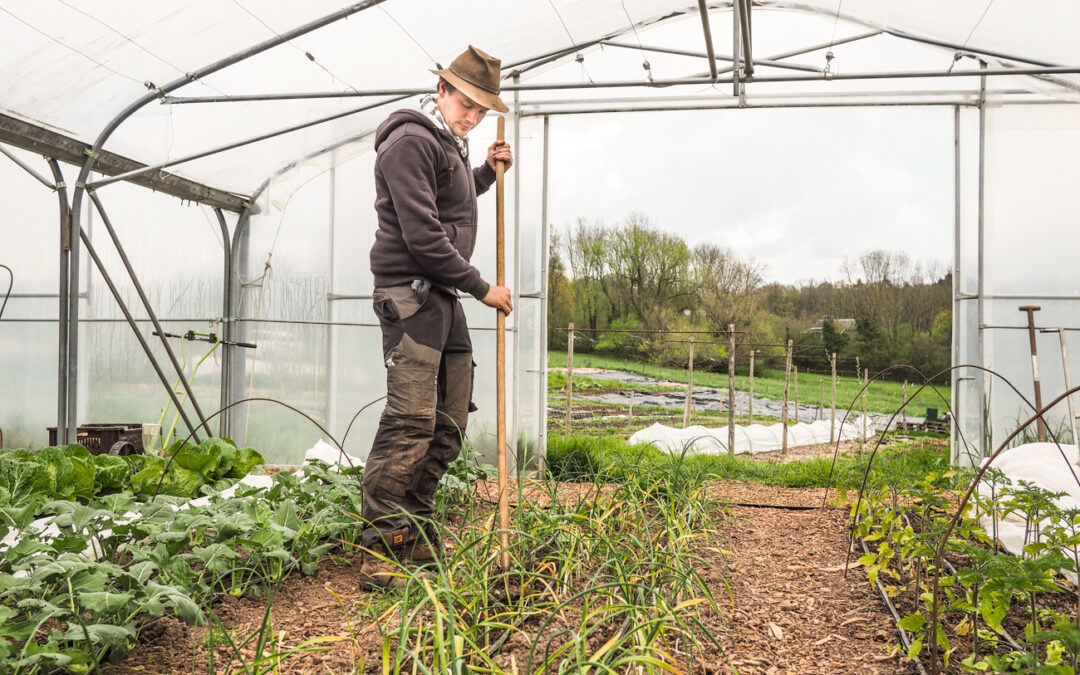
(832,419)
(731,389)
(903,406)
(787,391)
(750,407)
(631,406)
(821,399)
(795,372)
(689,386)
(569,376)
(865,401)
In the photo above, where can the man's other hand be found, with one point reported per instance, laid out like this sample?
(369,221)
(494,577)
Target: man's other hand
(500,152)
(499,298)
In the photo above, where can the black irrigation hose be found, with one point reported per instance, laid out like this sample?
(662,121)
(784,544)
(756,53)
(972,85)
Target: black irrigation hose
(785,507)
(896,617)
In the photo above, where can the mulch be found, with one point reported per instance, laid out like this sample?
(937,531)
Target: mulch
(787,605)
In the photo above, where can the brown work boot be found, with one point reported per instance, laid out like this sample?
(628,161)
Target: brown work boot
(427,549)
(379,569)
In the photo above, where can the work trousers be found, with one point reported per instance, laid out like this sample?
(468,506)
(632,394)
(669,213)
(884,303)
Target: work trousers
(429,381)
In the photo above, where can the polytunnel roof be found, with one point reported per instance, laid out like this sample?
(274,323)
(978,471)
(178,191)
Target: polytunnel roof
(73,65)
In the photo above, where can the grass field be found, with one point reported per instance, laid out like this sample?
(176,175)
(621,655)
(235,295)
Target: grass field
(884,396)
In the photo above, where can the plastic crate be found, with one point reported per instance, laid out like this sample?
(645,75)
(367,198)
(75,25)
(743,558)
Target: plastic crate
(118,438)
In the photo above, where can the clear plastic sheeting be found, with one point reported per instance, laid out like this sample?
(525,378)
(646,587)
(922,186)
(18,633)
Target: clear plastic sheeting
(74,64)
(1020,252)
(301,283)
(749,439)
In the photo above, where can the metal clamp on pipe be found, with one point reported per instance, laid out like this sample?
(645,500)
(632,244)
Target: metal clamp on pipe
(192,336)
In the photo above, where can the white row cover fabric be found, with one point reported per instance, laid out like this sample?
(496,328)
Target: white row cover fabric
(72,65)
(1045,465)
(749,439)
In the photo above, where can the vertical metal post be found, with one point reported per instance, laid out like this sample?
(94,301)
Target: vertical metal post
(1068,385)
(689,386)
(239,253)
(570,377)
(544,300)
(731,388)
(832,418)
(72,406)
(984,449)
(226,324)
(331,333)
(958,403)
(515,361)
(1030,310)
(62,435)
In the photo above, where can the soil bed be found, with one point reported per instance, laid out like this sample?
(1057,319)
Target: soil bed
(790,608)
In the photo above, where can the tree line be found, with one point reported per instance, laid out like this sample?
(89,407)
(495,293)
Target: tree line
(886,309)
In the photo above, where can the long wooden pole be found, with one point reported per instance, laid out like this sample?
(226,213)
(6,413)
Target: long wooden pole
(500,357)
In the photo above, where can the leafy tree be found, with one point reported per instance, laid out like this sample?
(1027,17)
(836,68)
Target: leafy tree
(833,340)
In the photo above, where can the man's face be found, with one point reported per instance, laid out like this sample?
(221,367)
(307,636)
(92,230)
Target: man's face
(460,112)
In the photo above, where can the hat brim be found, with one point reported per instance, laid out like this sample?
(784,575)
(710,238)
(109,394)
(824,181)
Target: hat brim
(475,93)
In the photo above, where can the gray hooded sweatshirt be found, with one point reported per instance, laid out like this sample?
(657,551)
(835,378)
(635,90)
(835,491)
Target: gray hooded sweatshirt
(425,198)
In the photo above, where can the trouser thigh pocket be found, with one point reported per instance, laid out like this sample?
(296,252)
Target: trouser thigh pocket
(410,383)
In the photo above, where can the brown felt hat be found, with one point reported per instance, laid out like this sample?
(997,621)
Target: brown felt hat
(476,74)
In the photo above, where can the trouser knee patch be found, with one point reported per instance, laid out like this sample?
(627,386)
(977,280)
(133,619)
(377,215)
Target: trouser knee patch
(458,388)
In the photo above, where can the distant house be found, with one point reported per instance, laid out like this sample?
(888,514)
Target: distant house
(842,325)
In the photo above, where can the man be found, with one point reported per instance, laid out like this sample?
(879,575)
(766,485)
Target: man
(426,204)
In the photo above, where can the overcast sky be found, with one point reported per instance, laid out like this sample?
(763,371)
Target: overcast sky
(795,189)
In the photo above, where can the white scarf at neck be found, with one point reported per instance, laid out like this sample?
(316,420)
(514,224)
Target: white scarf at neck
(430,107)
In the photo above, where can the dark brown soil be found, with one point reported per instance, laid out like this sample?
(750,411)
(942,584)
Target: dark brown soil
(787,605)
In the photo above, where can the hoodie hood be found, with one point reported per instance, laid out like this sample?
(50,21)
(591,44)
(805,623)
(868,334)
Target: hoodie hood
(404,116)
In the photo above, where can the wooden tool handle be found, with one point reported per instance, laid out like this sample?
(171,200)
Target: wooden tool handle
(500,356)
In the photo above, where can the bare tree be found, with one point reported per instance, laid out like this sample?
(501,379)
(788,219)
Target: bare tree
(726,285)
(649,271)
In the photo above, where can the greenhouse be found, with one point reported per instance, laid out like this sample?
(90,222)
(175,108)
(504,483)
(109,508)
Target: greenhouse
(185,270)
(218,157)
